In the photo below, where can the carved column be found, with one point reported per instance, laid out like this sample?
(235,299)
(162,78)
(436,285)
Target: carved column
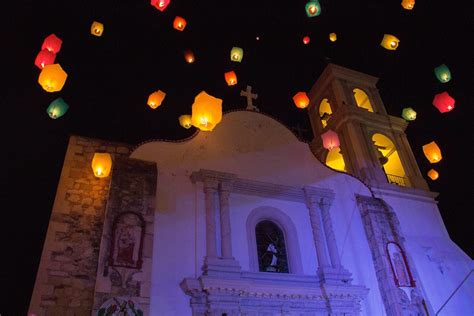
(210,188)
(316,225)
(226,243)
(330,238)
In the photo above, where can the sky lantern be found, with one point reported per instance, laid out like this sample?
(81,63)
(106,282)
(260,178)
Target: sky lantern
(409,114)
(330,140)
(185,121)
(155,99)
(333,37)
(306,40)
(390,42)
(444,102)
(432,152)
(97,28)
(160,4)
(301,100)
(313,8)
(52,78)
(179,23)
(57,108)
(189,56)
(206,111)
(433,174)
(101,164)
(230,78)
(408,4)
(44,57)
(52,43)
(442,73)
(236,54)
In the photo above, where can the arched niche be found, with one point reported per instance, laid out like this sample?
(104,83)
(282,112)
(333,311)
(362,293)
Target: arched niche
(362,99)
(335,160)
(325,111)
(388,156)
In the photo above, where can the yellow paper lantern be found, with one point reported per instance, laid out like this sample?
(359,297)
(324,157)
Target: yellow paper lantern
(101,164)
(390,42)
(408,4)
(155,99)
(333,37)
(185,121)
(433,174)
(432,152)
(97,28)
(52,78)
(206,111)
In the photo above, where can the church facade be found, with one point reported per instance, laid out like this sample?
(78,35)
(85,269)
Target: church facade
(249,220)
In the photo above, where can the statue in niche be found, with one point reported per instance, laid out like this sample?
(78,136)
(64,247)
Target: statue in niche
(400,269)
(271,248)
(127,241)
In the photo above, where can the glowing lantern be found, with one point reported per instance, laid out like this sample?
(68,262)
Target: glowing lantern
(330,140)
(57,108)
(306,40)
(189,56)
(160,4)
(236,54)
(444,102)
(206,111)
(433,174)
(442,73)
(52,78)
(101,164)
(179,23)
(333,37)
(408,4)
(432,152)
(155,99)
(185,121)
(301,100)
(52,43)
(409,114)
(44,57)
(97,28)
(230,78)
(389,42)
(313,8)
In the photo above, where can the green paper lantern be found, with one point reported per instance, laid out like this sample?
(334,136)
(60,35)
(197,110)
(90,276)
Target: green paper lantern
(57,108)
(442,73)
(313,8)
(236,54)
(409,114)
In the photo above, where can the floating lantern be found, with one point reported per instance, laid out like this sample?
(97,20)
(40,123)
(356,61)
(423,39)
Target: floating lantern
(313,8)
(52,78)
(330,140)
(432,152)
(442,73)
(52,43)
(44,57)
(160,4)
(333,37)
(57,108)
(189,56)
(409,114)
(444,102)
(101,164)
(185,121)
(236,54)
(179,23)
(301,100)
(433,174)
(408,4)
(97,28)
(155,99)
(390,42)
(306,40)
(230,78)
(206,111)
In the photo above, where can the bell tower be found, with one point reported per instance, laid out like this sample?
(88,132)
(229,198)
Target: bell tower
(373,144)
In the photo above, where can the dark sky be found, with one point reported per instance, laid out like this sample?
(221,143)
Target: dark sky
(110,78)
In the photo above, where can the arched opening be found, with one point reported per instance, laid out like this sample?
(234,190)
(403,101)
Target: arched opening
(362,100)
(335,160)
(271,248)
(325,112)
(389,159)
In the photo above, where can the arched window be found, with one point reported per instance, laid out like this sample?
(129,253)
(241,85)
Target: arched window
(271,248)
(362,100)
(335,160)
(325,111)
(389,159)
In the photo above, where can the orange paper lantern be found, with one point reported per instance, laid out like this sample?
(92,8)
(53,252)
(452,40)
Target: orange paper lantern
(330,140)
(97,28)
(230,78)
(206,111)
(179,23)
(189,56)
(432,152)
(52,43)
(155,99)
(44,58)
(52,78)
(433,174)
(101,164)
(185,121)
(408,4)
(301,100)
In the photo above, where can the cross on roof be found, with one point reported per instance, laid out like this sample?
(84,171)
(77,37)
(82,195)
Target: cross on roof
(249,95)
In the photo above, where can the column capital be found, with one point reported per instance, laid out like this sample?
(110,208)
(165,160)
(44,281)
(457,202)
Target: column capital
(317,197)
(226,186)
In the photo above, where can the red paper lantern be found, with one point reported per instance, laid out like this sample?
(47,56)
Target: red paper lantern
(160,4)
(179,23)
(301,100)
(330,140)
(230,78)
(52,43)
(443,102)
(44,58)
(306,40)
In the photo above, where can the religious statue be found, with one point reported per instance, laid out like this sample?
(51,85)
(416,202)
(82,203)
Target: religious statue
(399,265)
(272,251)
(126,243)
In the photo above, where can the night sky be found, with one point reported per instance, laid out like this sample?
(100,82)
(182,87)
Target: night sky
(110,78)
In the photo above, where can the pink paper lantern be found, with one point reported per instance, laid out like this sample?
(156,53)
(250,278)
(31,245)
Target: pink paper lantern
(443,102)
(44,58)
(160,4)
(330,140)
(52,43)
